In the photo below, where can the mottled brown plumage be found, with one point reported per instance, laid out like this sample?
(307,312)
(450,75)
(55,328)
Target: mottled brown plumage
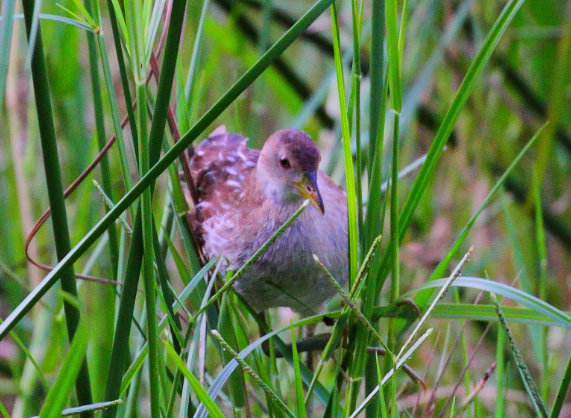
(245,195)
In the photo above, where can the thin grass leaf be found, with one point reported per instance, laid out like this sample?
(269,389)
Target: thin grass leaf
(440,269)
(227,329)
(453,112)
(530,301)
(272,395)
(78,410)
(347,299)
(3,411)
(222,377)
(6,42)
(199,391)
(393,51)
(193,67)
(153,26)
(299,398)
(561,391)
(377,98)
(54,186)
(500,371)
(347,154)
(487,313)
(33,31)
(453,276)
(60,390)
(528,382)
(402,360)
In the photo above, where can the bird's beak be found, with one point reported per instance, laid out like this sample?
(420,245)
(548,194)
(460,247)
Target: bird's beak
(307,188)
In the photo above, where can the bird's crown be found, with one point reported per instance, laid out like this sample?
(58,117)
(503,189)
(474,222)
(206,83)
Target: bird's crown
(293,148)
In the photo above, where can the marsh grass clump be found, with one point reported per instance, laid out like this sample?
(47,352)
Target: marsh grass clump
(445,124)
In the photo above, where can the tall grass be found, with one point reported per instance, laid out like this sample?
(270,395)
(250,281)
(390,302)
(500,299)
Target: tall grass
(380,85)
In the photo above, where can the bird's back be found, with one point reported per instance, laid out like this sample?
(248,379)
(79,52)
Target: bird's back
(220,166)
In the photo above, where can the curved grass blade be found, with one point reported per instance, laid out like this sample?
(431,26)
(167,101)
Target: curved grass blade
(437,146)
(473,312)
(422,300)
(536,304)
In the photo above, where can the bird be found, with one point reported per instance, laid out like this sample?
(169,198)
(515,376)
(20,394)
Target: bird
(244,195)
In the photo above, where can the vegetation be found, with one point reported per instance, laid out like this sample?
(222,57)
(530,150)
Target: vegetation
(448,124)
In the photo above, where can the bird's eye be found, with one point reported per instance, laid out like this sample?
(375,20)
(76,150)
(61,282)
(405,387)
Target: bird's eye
(284,162)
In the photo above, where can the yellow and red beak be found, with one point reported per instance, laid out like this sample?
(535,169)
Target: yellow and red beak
(307,188)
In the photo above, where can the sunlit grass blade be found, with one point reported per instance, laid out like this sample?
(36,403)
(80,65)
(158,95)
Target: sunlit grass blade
(94,407)
(453,276)
(348,155)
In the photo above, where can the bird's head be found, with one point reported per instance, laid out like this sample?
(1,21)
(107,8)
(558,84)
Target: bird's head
(287,168)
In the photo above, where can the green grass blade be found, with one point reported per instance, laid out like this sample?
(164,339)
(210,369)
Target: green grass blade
(376,91)
(6,42)
(528,382)
(530,301)
(393,51)
(561,391)
(440,269)
(256,378)
(348,155)
(487,313)
(457,105)
(55,188)
(199,391)
(62,387)
(299,398)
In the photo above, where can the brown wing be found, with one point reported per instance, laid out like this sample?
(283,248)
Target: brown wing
(220,167)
